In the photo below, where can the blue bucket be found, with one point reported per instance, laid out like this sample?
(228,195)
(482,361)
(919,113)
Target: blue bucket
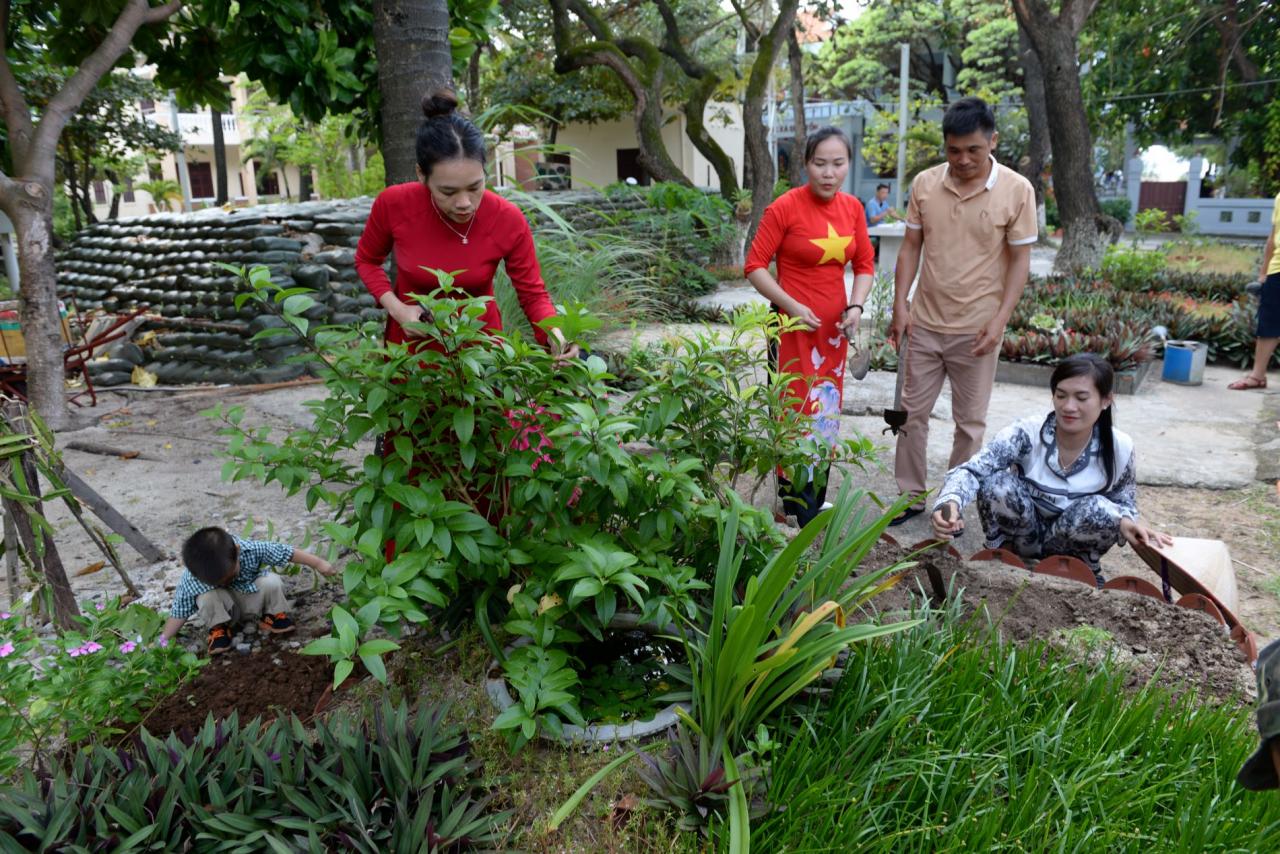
(1184,362)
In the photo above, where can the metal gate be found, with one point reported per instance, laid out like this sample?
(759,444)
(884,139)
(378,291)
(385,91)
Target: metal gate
(1168,196)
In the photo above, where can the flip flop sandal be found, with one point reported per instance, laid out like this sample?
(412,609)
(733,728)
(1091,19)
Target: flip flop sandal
(909,513)
(1247,383)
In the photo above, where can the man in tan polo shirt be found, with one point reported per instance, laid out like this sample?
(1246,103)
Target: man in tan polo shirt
(972,221)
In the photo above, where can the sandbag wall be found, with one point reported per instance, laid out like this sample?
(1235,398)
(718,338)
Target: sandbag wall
(168,264)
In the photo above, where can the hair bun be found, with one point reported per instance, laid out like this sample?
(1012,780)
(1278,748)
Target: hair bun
(439,102)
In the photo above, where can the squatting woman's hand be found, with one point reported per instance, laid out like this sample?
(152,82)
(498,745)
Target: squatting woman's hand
(1134,533)
(945,528)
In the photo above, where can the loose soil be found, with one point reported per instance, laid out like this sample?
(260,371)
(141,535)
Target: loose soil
(252,685)
(1176,648)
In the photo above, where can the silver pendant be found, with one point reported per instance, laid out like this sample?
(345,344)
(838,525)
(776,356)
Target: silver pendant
(464,241)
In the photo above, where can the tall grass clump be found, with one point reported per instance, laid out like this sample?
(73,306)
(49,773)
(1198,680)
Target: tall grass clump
(943,738)
(613,274)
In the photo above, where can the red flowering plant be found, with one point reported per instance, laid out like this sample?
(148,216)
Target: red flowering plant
(512,488)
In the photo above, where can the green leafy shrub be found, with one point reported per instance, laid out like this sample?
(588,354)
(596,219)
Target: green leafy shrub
(1052,220)
(512,490)
(1132,268)
(945,738)
(1121,209)
(80,684)
(399,782)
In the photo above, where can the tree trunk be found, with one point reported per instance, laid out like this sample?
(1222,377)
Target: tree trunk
(795,57)
(114,178)
(757,135)
(696,129)
(1086,230)
(38,303)
(28,198)
(304,184)
(219,159)
(411,39)
(654,156)
(1032,166)
(284,178)
(473,80)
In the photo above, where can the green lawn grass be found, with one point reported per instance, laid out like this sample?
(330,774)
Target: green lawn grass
(942,739)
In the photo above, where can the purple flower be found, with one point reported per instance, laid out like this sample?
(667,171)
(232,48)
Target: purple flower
(99,606)
(6,649)
(163,642)
(92,646)
(128,647)
(4,615)
(274,757)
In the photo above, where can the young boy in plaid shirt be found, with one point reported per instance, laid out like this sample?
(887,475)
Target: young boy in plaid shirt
(225,581)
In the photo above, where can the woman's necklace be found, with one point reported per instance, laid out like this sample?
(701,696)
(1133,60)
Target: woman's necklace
(445,220)
(1067,456)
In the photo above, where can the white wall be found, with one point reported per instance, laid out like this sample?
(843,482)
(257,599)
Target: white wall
(595,147)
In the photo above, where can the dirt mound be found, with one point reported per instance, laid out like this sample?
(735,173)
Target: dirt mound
(1178,648)
(268,683)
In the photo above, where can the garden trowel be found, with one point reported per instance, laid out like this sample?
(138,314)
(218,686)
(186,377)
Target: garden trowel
(896,418)
(859,361)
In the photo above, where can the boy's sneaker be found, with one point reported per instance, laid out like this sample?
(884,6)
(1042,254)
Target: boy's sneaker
(276,624)
(219,639)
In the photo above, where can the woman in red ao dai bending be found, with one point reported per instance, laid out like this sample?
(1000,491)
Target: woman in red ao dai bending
(447,220)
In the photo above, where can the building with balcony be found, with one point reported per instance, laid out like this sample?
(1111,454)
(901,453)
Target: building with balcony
(246,185)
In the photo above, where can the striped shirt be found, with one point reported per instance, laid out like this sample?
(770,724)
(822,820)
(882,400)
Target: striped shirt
(254,555)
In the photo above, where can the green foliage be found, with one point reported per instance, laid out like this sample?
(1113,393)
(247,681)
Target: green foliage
(84,683)
(924,141)
(1132,268)
(946,738)
(507,490)
(1121,209)
(1052,220)
(977,37)
(766,641)
(165,195)
(1150,221)
(1148,61)
(385,780)
(615,274)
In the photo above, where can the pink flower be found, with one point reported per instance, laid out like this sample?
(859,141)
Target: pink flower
(128,647)
(6,649)
(92,646)
(163,642)
(4,615)
(85,649)
(99,606)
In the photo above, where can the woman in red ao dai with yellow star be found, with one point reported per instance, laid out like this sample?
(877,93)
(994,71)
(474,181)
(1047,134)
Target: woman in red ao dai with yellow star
(813,232)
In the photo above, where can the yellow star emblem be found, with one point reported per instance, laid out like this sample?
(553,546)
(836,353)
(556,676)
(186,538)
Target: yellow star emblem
(832,246)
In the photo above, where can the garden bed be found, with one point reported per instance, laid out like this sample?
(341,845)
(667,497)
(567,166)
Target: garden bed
(1128,381)
(1177,648)
(268,683)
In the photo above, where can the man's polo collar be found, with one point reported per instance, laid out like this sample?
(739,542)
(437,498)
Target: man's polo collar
(991,178)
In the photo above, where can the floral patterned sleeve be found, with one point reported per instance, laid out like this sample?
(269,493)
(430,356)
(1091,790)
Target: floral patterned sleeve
(1124,495)
(961,486)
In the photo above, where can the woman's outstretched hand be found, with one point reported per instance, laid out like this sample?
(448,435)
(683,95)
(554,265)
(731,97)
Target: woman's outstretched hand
(947,521)
(1135,533)
(562,351)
